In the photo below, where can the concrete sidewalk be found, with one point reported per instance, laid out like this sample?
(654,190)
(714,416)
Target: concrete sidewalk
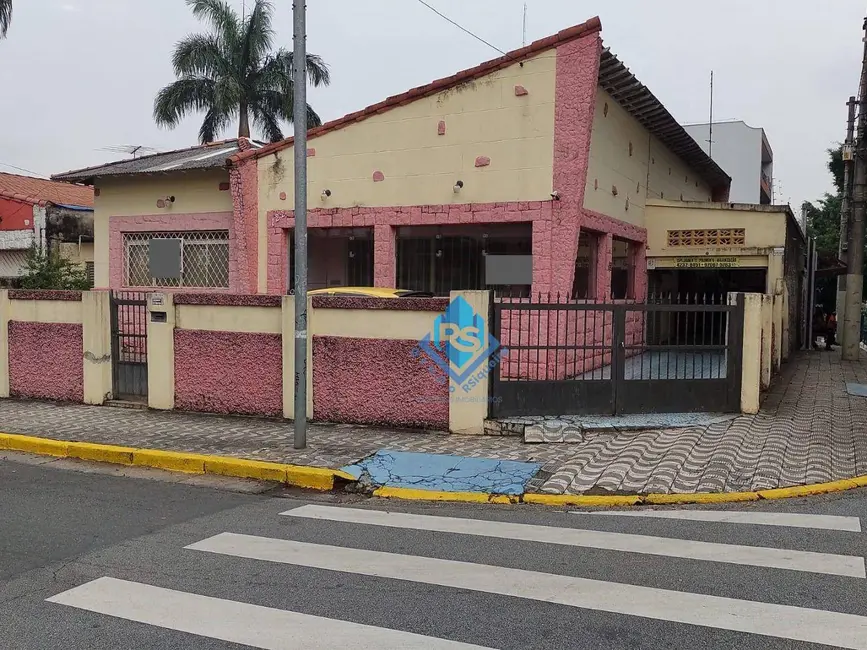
(810,430)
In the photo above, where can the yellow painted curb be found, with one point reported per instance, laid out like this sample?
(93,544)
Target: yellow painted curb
(412,494)
(100,453)
(701,497)
(585,500)
(315,478)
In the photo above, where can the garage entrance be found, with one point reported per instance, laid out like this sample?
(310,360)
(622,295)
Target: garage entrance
(707,282)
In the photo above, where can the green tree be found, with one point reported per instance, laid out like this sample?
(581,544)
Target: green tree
(48,269)
(5,16)
(232,73)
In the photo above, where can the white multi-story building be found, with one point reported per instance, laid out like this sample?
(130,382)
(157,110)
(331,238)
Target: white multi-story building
(744,153)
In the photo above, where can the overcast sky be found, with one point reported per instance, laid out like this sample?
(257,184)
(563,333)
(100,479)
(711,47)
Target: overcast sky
(78,75)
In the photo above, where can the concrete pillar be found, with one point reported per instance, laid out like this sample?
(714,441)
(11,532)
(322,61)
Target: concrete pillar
(384,257)
(778,327)
(4,343)
(787,340)
(767,339)
(751,367)
(468,409)
(161,351)
(288,320)
(96,332)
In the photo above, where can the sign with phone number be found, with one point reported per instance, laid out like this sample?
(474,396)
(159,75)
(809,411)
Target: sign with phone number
(706,262)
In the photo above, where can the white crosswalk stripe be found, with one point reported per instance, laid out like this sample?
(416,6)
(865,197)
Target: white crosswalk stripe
(786,519)
(227,620)
(278,629)
(712,552)
(783,621)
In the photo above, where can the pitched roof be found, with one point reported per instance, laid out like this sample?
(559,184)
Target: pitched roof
(38,191)
(614,77)
(207,156)
(589,27)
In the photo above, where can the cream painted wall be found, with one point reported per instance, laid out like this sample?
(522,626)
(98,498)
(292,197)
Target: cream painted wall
(194,192)
(216,318)
(75,253)
(625,156)
(764,228)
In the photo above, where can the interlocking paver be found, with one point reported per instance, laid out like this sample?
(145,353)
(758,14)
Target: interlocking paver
(809,430)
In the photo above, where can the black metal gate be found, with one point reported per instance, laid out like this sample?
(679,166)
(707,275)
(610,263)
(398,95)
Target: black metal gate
(574,358)
(129,351)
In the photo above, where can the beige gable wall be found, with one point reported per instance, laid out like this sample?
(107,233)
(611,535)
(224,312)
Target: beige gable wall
(195,192)
(625,156)
(483,118)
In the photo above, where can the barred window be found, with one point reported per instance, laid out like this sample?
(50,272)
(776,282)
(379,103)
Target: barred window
(91,273)
(204,259)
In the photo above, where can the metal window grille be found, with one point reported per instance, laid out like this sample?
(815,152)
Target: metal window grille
(707,237)
(584,283)
(204,259)
(91,272)
(443,259)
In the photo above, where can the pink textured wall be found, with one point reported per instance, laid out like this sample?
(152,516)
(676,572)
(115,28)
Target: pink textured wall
(46,361)
(228,372)
(117,226)
(375,381)
(244,182)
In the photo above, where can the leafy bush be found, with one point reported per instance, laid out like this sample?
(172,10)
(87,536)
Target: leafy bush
(48,269)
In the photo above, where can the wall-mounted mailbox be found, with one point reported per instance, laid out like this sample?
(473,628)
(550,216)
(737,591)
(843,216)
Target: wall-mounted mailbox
(159,317)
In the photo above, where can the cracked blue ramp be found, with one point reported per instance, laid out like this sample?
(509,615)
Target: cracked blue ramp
(444,473)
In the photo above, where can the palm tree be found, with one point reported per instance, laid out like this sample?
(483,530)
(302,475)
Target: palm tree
(5,16)
(232,73)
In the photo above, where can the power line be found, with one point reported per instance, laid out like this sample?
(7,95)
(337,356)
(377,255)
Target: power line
(22,169)
(462,28)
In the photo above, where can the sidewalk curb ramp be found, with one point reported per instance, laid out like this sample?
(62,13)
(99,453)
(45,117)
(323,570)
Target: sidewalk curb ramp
(325,479)
(313,478)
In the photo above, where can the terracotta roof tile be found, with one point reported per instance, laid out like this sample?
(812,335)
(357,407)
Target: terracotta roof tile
(38,191)
(591,26)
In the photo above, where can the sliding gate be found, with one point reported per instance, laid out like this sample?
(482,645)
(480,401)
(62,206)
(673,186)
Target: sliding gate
(574,358)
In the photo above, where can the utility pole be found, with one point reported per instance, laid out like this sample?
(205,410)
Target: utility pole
(710,122)
(855,255)
(845,208)
(299,76)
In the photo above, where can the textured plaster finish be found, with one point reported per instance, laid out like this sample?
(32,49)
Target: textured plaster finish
(575,101)
(375,381)
(244,179)
(117,226)
(482,161)
(391,304)
(520,91)
(227,300)
(229,372)
(16,239)
(378,177)
(44,294)
(46,361)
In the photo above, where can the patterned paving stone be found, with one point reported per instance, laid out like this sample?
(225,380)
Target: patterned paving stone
(810,429)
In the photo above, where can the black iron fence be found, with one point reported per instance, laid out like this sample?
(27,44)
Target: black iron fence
(129,352)
(669,354)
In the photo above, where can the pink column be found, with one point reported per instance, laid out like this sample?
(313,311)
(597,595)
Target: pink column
(603,267)
(384,262)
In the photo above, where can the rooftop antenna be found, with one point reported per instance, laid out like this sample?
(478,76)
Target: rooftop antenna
(524,41)
(134,150)
(710,124)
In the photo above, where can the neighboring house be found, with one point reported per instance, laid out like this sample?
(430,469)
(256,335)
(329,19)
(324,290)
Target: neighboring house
(551,151)
(744,152)
(181,194)
(34,210)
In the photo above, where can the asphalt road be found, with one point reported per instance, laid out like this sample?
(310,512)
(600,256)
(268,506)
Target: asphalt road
(92,561)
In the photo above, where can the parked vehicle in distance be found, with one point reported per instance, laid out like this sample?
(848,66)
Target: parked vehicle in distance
(369,292)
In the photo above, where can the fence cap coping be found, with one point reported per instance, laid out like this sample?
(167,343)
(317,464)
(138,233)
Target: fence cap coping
(227,300)
(385,304)
(44,294)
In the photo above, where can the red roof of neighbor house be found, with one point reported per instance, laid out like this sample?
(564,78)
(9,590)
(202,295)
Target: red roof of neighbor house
(589,27)
(38,191)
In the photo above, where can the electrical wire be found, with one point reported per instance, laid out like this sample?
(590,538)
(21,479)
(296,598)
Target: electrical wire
(462,28)
(22,169)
